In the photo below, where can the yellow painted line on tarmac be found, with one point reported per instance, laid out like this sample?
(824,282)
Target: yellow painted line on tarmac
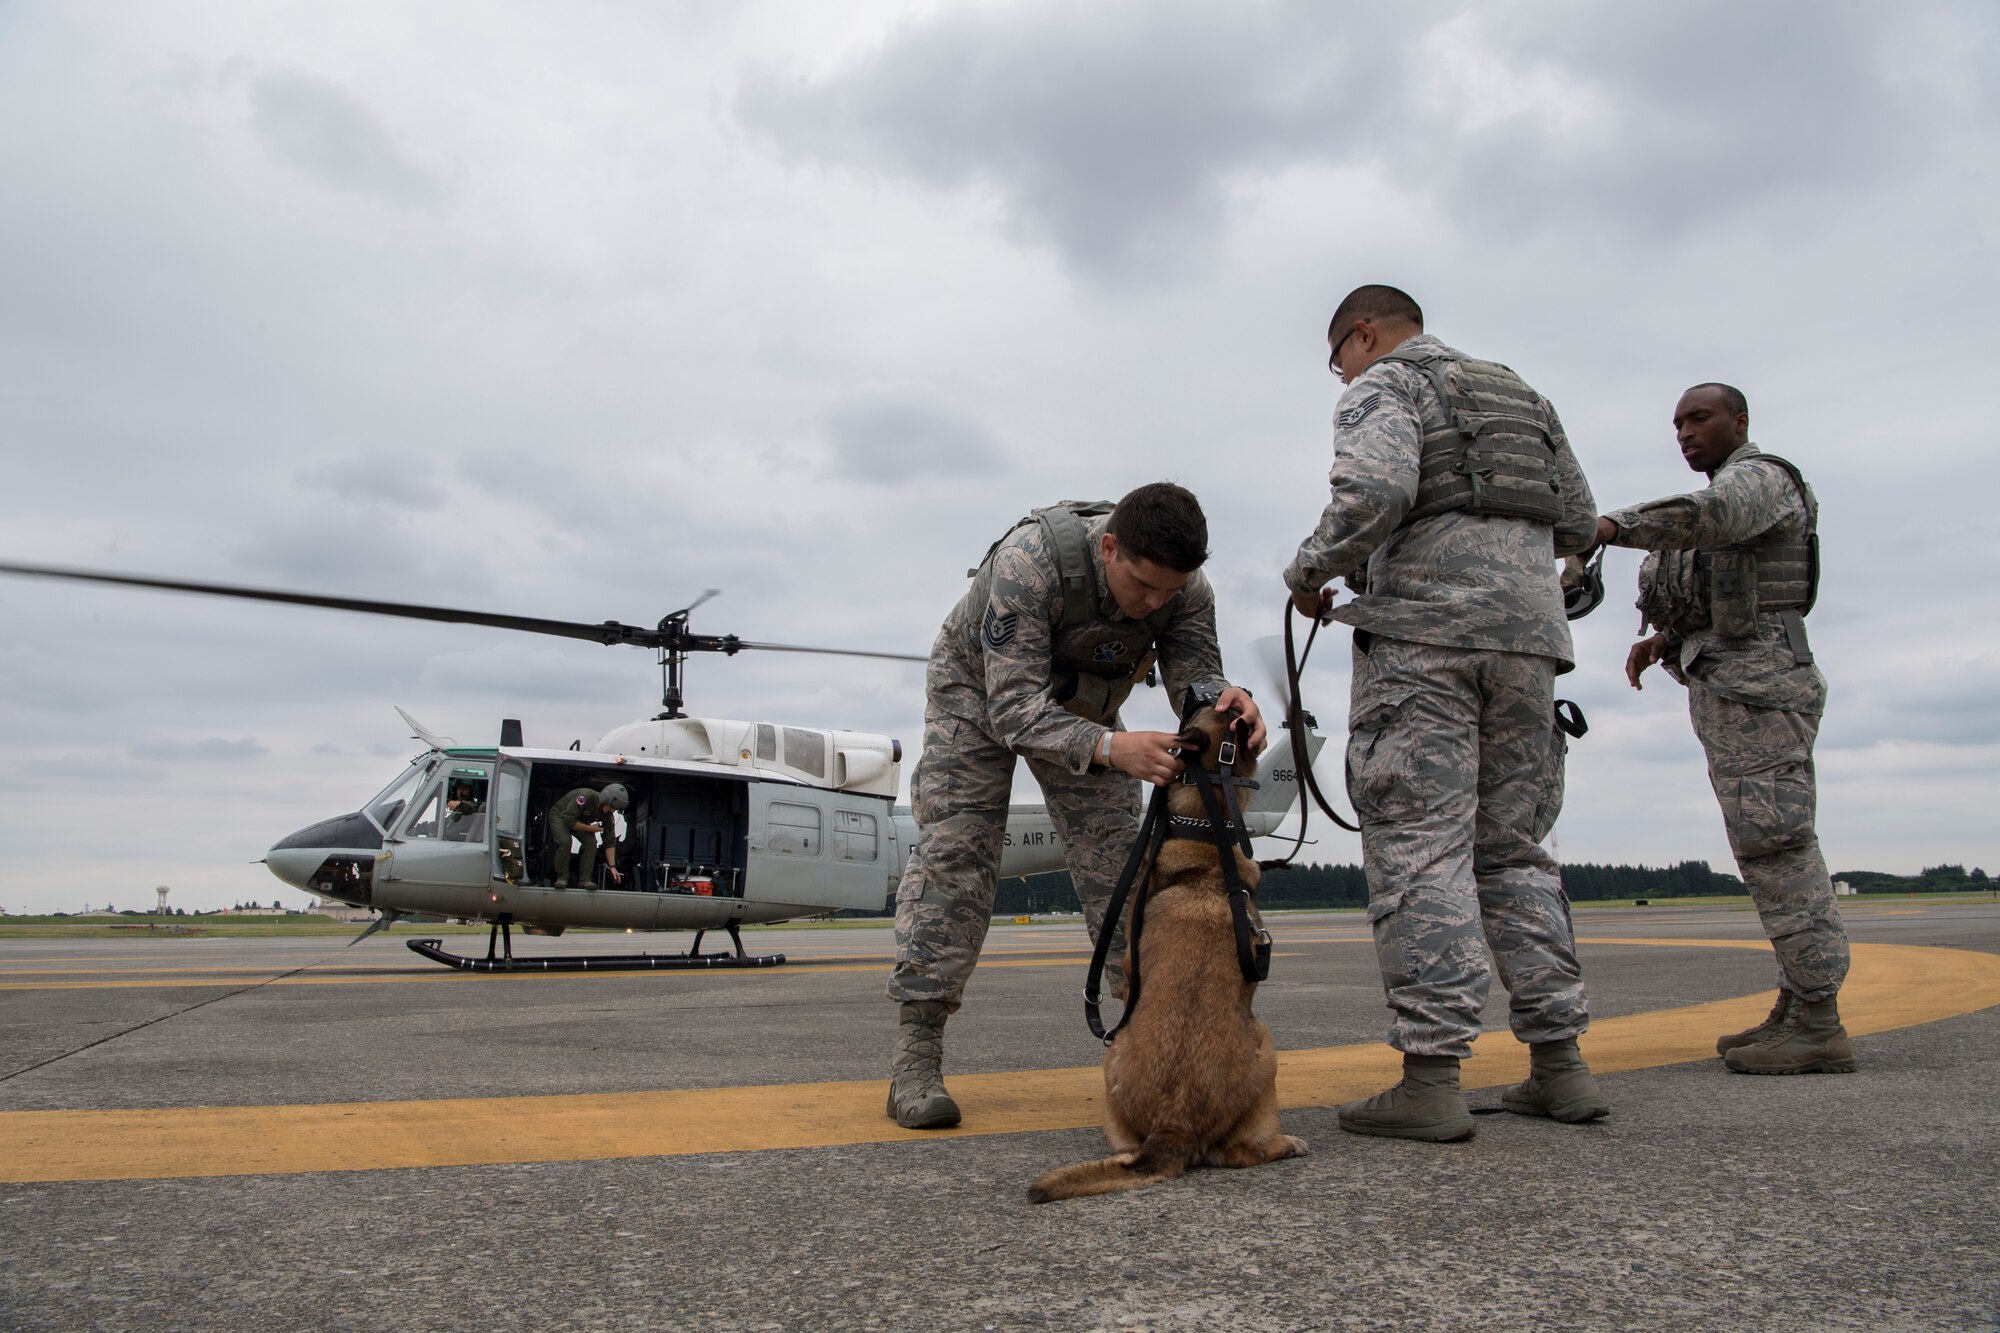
(1891,986)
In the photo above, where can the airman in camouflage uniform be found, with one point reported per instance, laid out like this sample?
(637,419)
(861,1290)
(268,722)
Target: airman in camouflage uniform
(584,815)
(1067,613)
(1455,493)
(1733,571)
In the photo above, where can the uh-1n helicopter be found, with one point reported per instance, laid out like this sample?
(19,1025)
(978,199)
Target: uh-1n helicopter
(727,823)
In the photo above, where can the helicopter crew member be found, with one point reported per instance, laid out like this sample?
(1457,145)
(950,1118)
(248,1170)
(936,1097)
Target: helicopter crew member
(1733,570)
(584,815)
(1067,613)
(1454,493)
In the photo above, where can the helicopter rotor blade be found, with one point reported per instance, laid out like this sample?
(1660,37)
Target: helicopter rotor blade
(834,652)
(608,632)
(1267,655)
(706,594)
(671,633)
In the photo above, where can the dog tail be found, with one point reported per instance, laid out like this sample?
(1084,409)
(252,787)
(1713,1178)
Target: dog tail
(1160,1157)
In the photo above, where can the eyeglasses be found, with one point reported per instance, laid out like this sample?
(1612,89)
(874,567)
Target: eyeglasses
(1333,357)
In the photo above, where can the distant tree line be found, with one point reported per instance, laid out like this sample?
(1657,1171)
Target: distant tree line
(1310,886)
(1932,879)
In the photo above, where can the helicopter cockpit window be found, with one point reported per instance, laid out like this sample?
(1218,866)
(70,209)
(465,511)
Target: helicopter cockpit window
(465,805)
(384,808)
(429,818)
(767,743)
(805,751)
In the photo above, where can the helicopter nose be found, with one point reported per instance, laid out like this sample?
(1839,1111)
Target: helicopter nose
(295,865)
(298,859)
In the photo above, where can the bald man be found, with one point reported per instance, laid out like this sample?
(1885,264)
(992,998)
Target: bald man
(1733,570)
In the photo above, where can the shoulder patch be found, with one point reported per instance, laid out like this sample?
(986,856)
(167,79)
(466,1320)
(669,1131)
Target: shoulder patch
(999,630)
(1354,413)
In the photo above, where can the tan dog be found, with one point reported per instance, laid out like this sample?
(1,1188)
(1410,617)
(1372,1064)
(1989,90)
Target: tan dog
(1193,1079)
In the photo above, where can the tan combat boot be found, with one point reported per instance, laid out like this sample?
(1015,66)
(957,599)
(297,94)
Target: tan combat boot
(1780,1011)
(917,1098)
(1813,1042)
(1425,1105)
(1559,1086)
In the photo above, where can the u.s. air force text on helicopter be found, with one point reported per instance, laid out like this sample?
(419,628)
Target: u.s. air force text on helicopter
(727,822)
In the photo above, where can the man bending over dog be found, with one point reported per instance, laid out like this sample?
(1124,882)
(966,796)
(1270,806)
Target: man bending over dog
(1454,493)
(1069,610)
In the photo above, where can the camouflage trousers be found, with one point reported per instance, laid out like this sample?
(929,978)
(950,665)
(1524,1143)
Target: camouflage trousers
(560,836)
(959,795)
(1760,764)
(1454,766)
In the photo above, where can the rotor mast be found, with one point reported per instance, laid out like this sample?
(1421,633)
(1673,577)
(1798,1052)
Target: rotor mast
(675,645)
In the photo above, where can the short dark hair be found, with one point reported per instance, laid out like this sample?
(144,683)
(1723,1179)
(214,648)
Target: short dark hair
(1732,397)
(1375,303)
(1163,523)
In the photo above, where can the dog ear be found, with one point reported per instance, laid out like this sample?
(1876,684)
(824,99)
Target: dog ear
(1191,741)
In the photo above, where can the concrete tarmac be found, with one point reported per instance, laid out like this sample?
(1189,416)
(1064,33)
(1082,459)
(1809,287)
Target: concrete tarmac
(215,1134)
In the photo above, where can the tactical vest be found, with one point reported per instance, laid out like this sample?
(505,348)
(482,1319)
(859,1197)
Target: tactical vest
(1096,662)
(1494,453)
(1725,588)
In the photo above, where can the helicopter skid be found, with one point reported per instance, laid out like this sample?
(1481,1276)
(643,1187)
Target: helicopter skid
(434,950)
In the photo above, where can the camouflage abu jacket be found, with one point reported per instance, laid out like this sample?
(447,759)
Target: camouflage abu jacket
(993,663)
(1454,578)
(1745,501)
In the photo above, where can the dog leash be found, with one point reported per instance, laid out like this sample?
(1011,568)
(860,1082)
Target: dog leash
(1145,850)
(1295,712)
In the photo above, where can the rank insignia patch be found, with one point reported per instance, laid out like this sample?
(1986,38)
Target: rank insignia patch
(1108,652)
(1354,413)
(1000,629)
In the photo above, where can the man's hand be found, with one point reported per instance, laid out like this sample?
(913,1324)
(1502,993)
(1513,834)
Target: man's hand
(589,828)
(616,878)
(1314,605)
(1238,701)
(1606,531)
(1146,755)
(1644,653)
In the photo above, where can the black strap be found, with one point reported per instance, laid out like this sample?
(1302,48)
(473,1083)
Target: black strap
(1253,956)
(1571,719)
(1145,851)
(1295,664)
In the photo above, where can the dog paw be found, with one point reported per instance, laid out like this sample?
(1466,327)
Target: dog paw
(1292,1146)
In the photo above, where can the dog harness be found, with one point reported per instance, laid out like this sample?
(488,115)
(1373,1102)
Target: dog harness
(1226,831)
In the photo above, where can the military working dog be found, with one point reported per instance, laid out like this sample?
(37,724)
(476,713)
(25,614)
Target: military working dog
(1192,1079)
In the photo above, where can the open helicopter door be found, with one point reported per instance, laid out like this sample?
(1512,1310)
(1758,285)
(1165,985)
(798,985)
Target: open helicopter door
(818,848)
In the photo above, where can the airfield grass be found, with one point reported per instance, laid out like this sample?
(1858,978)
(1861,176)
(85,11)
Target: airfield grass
(199,927)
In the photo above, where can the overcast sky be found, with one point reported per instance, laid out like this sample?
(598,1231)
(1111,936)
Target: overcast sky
(573,311)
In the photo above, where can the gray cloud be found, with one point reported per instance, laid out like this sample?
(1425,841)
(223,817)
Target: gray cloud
(1117,133)
(323,130)
(384,479)
(1108,130)
(214,749)
(889,440)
